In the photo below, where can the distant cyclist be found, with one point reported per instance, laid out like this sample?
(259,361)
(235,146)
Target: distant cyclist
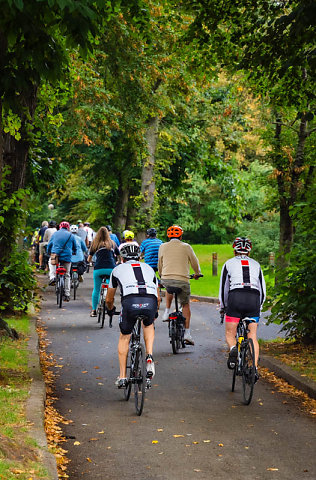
(139,296)
(174,260)
(78,258)
(241,294)
(89,231)
(105,251)
(64,245)
(149,248)
(113,235)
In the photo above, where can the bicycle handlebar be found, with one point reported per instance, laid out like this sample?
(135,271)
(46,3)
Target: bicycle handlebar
(199,275)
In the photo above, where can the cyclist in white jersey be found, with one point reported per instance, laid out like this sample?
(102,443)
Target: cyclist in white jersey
(241,294)
(139,296)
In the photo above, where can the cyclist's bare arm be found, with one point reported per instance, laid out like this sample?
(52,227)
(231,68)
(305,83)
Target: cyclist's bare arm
(110,298)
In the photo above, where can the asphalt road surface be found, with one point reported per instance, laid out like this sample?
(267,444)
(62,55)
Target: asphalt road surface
(192,426)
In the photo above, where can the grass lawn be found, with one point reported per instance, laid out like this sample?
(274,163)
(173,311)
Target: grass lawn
(18,457)
(208,286)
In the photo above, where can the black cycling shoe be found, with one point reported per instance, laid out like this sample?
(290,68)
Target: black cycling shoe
(66,298)
(257,376)
(232,358)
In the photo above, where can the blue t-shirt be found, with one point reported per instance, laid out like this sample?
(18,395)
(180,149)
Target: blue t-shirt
(115,239)
(150,247)
(81,248)
(62,243)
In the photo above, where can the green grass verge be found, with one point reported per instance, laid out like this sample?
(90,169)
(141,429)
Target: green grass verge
(18,460)
(208,286)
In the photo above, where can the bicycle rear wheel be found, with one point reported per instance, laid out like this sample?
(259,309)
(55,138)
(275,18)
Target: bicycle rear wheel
(129,368)
(234,378)
(103,312)
(174,339)
(57,290)
(99,307)
(75,283)
(139,376)
(61,291)
(248,370)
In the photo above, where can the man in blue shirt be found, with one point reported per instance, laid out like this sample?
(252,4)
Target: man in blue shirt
(62,243)
(149,248)
(112,235)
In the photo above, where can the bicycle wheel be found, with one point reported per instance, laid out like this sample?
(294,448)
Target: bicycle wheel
(75,283)
(99,307)
(61,291)
(248,370)
(139,377)
(129,368)
(57,290)
(174,339)
(103,312)
(234,378)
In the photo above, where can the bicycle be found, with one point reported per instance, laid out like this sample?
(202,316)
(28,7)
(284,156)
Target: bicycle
(245,365)
(136,368)
(177,321)
(60,284)
(74,278)
(101,308)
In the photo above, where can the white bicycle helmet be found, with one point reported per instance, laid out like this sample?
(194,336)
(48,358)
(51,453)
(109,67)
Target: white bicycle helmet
(130,251)
(73,228)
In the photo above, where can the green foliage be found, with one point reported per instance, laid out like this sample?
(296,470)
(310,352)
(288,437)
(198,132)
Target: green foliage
(16,275)
(295,294)
(16,282)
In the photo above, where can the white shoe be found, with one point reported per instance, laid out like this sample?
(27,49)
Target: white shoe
(150,366)
(188,340)
(165,316)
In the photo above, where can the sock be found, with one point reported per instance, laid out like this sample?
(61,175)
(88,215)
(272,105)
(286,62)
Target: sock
(232,347)
(167,310)
(187,331)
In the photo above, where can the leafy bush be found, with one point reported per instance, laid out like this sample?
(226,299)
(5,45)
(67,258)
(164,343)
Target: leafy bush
(296,288)
(16,282)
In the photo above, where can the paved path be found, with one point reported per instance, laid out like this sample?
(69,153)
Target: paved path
(192,425)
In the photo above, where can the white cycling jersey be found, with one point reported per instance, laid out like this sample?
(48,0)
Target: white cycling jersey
(241,272)
(134,278)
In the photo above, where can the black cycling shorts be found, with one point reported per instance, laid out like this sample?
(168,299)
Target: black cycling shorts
(132,307)
(243,303)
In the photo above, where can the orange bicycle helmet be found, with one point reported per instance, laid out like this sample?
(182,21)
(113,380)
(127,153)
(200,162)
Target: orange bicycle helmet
(174,231)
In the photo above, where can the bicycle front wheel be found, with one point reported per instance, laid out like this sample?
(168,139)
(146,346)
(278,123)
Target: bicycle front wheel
(61,291)
(248,370)
(139,377)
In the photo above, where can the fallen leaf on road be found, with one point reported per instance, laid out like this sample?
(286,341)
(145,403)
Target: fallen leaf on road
(96,367)
(220,444)
(206,441)
(159,429)
(76,442)
(155,441)
(195,443)
(102,431)
(178,436)
(100,383)
(93,439)
(89,459)
(271,469)
(68,389)
(85,371)
(160,453)
(197,470)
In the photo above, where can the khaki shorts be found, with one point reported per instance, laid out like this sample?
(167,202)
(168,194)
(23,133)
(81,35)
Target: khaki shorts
(41,247)
(184,296)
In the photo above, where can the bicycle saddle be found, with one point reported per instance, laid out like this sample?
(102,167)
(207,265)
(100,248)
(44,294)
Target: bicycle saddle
(172,290)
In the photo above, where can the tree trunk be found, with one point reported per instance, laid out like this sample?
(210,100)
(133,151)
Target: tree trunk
(121,206)
(148,176)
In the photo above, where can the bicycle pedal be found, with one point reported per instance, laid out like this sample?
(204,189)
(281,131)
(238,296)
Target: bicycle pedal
(148,384)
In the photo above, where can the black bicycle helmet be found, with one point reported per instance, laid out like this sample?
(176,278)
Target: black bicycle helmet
(109,228)
(130,251)
(151,232)
(52,224)
(242,245)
